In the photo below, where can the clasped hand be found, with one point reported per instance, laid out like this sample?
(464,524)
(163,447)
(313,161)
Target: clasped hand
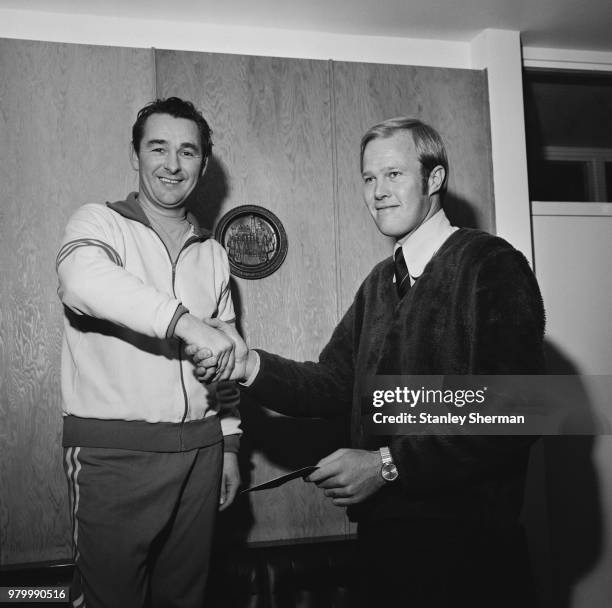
(220,354)
(210,341)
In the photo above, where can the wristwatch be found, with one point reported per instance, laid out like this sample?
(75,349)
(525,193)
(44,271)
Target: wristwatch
(388,471)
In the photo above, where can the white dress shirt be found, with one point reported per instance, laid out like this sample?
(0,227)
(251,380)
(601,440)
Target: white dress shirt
(422,244)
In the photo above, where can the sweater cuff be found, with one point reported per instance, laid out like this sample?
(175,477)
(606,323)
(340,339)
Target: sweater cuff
(180,311)
(231,443)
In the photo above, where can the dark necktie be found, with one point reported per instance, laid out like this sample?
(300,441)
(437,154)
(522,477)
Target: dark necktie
(402,276)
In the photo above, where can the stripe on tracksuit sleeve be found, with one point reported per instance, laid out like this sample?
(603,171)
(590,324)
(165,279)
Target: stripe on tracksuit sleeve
(71,246)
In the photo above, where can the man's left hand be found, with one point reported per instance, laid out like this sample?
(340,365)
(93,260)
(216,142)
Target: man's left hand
(230,480)
(349,476)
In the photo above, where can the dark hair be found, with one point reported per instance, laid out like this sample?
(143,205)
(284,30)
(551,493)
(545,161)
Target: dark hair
(427,141)
(178,108)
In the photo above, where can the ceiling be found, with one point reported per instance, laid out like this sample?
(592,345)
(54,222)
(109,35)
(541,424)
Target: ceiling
(571,24)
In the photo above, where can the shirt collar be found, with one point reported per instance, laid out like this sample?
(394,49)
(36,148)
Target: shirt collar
(422,244)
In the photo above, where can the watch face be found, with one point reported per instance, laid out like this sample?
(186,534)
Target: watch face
(389,472)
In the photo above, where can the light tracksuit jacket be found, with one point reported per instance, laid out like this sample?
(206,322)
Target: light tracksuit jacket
(126,381)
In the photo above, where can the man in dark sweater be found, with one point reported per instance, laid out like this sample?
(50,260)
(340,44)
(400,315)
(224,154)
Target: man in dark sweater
(438,515)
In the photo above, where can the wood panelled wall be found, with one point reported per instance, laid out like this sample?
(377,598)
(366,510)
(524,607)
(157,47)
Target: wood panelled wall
(271,125)
(286,136)
(455,102)
(65,117)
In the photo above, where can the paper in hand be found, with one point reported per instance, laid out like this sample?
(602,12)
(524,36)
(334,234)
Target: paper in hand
(279,481)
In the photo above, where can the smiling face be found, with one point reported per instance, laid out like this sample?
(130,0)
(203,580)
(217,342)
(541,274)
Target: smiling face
(169,161)
(393,186)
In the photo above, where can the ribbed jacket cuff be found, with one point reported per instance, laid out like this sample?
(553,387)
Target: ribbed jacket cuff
(180,311)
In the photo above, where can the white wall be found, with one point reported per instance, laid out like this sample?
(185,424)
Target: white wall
(145,33)
(499,52)
(572,254)
(573,250)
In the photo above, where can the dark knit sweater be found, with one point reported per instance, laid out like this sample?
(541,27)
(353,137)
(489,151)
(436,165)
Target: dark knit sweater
(476,309)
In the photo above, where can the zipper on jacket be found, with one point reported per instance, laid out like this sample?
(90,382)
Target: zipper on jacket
(186,244)
(180,355)
(173,265)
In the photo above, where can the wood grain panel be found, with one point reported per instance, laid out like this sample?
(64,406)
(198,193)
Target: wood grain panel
(455,102)
(65,117)
(271,123)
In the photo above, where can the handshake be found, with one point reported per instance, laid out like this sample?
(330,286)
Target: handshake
(217,349)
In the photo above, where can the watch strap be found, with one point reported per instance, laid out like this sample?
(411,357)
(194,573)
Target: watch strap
(385,455)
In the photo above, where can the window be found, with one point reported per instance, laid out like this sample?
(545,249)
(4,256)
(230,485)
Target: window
(568,118)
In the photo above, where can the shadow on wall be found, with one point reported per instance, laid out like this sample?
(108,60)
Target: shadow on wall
(286,442)
(207,198)
(289,443)
(460,212)
(572,495)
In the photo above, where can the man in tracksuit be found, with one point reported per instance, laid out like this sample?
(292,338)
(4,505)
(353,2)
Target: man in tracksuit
(150,452)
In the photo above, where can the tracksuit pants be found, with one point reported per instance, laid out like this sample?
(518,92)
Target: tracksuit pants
(142,525)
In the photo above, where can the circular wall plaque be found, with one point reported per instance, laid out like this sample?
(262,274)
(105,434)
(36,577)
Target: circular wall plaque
(254,239)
